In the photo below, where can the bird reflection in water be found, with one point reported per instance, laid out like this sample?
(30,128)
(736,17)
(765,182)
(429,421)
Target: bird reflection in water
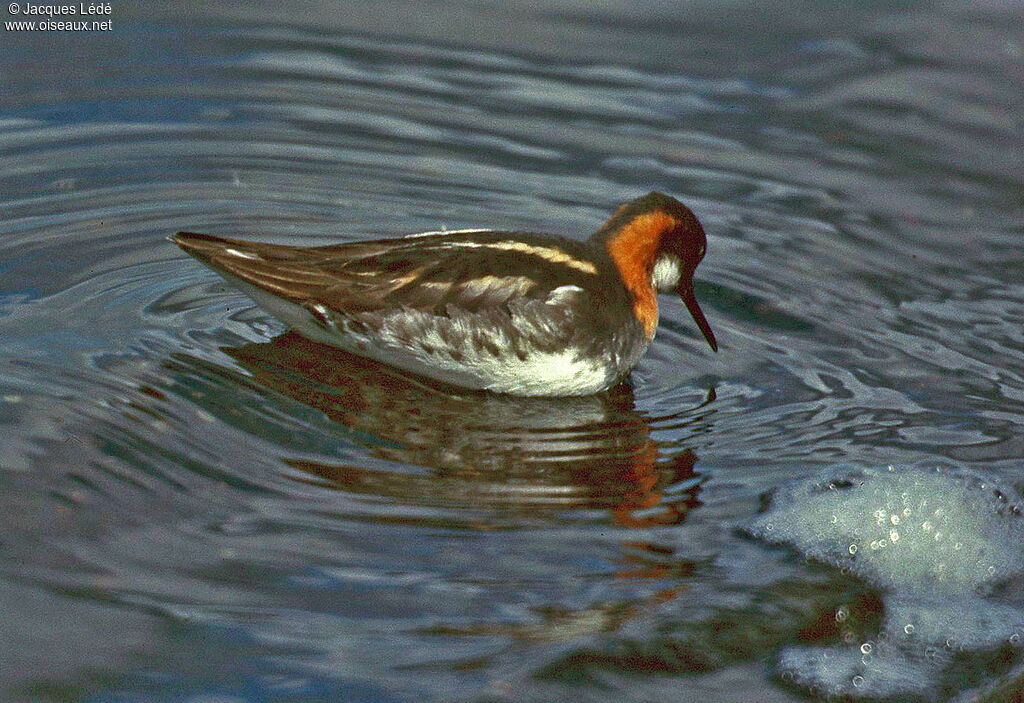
(483,449)
(527,459)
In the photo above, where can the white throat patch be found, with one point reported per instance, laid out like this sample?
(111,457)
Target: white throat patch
(667,271)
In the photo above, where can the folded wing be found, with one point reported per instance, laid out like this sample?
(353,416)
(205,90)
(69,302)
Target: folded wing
(444,275)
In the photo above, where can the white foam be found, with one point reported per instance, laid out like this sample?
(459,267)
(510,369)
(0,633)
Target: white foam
(936,542)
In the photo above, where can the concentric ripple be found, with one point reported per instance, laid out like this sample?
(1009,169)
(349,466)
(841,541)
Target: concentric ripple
(197,504)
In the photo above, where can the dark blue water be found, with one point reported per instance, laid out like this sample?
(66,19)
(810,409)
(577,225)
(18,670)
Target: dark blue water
(195,508)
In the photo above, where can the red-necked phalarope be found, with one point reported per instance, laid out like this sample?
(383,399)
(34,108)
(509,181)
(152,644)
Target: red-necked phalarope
(513,312)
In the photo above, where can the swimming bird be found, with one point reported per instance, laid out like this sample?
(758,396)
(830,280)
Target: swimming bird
(513,312)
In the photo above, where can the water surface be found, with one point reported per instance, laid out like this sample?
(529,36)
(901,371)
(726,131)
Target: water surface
(196,507)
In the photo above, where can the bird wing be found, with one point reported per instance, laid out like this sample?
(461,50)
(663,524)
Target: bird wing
(438,274)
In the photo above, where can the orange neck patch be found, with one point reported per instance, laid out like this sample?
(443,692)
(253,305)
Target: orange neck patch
(633,249)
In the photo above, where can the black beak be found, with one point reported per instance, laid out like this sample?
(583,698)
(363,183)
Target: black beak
(686,293)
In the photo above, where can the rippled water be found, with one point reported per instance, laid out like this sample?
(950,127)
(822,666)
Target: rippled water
(196,508)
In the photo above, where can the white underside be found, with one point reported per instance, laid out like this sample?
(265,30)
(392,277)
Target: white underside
(561,373)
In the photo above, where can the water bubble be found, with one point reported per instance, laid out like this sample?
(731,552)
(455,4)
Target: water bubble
(948,593)
(858,681)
